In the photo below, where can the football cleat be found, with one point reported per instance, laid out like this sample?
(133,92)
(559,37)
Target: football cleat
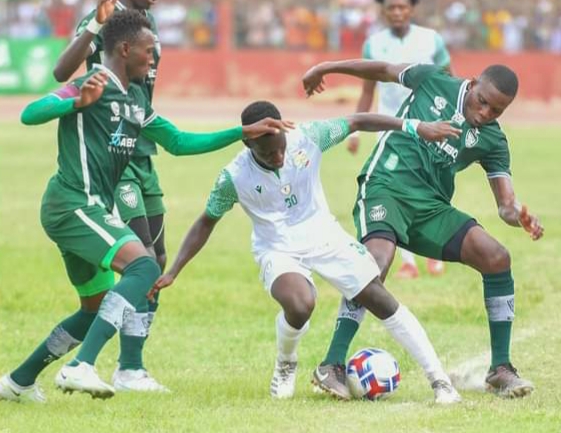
(136,380)
(283,383)
(331,378)
(435,267)
(83,378)
(445,393)
(504,381)
(9,390)
(407,271)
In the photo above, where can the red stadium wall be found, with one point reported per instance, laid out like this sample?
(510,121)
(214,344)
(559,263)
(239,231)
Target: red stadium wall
(227,72)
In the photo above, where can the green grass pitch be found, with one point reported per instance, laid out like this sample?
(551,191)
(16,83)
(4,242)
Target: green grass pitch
(213,341)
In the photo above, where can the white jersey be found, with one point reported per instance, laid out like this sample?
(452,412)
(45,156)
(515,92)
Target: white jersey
(288,207)
(419,45)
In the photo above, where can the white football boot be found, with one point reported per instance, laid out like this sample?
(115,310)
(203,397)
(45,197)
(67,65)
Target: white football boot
(83,378)
(136,380)
(283,382)
(9,390)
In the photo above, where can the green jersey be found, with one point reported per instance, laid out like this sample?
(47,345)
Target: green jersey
(414,167)
(95,145)
(144,147)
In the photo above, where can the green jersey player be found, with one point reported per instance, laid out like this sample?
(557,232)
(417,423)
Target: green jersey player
(138,196)
(276,180)
(406,186)
(101,116)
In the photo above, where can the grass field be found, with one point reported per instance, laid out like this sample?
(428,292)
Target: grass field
(213,341)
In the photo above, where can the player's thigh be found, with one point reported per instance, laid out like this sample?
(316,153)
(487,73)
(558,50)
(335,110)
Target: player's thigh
(88,279)
(92,234)
(345,264)
(379,211)
(432,231)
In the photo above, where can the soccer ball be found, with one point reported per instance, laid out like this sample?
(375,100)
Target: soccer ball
(372,374)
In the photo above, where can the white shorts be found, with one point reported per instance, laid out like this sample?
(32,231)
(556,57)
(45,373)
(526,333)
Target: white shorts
(344,263)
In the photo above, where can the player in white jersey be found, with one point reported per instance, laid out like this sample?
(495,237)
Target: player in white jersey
(400,42)
(277,182)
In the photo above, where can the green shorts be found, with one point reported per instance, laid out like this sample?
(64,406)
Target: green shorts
(138,193)
(422,225)
(89,238)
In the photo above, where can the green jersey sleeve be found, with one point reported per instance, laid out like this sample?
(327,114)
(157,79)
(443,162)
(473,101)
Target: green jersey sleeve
(414,75)
(441,56)
(496,162)
(326,133)
(177,142)
(222,197)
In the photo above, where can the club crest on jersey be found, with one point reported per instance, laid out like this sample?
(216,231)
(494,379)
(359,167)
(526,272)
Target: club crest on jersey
(458,118)
(286,189)
(439,102)
(301,159)
(114,221)
(138,113)
(258,188)
(472,137)
(128,196)
(378,213)
(116,111)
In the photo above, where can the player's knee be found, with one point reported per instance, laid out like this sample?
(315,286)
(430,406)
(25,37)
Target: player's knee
(498,259)
(376,299)
(145,267)
(298,313)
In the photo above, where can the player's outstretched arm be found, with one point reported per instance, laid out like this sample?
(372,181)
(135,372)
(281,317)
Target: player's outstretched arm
(193,242)
(177,142)
(313,79)
(64,101)
(80,47)
(511,211)
(429,131)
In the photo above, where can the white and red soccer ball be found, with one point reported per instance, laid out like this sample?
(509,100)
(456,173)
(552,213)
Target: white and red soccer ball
(372,374)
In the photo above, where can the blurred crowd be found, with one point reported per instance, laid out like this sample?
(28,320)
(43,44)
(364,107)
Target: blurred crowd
(505,25)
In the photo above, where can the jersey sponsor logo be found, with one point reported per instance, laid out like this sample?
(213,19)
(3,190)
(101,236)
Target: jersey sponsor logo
(114,221)
(472,137)
(439,102)
(447,148)
(286,189)
(377,213)
(120,143)
(301,159)
(128,196)
(116,112)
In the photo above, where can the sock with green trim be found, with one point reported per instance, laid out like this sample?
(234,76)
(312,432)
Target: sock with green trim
(132,336)
(498,291)
(63,338)
(130,292)
(350,316)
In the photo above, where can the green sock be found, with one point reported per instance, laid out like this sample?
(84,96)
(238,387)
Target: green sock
(345,331)
(62,339)
(130,292)
(498,290)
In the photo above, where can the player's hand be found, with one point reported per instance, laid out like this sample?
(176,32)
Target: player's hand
(164,281)
(352,144)
(265,126)
(437,131)
(91,90)
(313,81)
(105,9)
(530,223)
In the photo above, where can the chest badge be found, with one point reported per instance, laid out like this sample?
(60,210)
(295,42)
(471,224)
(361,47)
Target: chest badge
(472,137)
(286,189)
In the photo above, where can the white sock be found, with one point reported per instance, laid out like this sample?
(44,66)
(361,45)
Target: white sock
(406,329)
(407,257)
(288,338)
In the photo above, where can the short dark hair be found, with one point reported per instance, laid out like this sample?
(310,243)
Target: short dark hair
(413,2)
(122,26)
(258,110)
(503,78)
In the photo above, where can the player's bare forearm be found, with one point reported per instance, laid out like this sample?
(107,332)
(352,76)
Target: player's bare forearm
(366,96)
(193,242)
(373,122)
(73,56)
(365,69)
